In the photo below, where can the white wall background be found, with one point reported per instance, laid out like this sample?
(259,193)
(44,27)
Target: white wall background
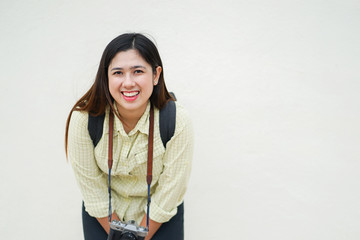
(272,86)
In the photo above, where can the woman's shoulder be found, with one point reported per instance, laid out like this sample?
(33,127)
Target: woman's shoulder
(79,119)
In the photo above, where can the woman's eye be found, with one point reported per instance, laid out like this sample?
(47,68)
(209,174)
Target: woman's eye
(117,72)
(138,71)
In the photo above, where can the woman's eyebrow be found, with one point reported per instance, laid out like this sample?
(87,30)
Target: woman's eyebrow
(138,66)
(133,67)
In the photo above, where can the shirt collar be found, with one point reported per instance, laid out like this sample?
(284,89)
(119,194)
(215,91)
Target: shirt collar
(141,126)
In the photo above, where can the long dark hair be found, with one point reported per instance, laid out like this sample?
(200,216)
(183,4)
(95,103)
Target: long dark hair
(98,96)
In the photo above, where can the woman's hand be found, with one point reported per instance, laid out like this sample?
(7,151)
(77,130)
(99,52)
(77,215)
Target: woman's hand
(153,227)
(104,222)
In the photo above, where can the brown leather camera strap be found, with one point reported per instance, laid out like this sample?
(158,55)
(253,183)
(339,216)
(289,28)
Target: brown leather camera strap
(111,132)
(150,146)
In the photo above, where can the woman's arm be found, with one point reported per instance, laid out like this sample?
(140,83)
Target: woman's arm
(173,181)
(91,180)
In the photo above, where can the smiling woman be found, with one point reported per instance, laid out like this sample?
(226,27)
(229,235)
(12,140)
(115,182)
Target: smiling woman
(131,81)
(130,84)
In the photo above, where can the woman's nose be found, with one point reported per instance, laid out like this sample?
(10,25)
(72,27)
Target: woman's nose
(128,81)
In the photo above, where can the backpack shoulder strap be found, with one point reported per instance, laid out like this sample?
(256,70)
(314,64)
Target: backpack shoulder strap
(167,121)
(95,127)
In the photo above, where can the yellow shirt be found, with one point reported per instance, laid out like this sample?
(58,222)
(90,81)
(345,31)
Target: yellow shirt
(171,166)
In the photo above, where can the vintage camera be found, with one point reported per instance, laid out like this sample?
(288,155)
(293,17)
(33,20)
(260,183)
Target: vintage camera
(126,231)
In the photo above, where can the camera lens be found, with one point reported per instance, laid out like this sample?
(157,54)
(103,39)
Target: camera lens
(128,236)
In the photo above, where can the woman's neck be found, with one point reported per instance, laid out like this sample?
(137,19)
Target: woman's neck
(129,119)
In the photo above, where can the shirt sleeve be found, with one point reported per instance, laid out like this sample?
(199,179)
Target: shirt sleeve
(174,179)
(91,180)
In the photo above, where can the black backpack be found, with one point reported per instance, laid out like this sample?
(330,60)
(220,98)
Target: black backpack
(167,122)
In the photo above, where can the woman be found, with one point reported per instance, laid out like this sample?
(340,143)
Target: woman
(129,80)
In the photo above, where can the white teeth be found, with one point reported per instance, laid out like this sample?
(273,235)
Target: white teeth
(130,94)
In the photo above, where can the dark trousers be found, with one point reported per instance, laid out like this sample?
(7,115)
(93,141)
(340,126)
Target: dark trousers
(173,230)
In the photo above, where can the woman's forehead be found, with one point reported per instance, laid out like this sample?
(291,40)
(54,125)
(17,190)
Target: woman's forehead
(128,59)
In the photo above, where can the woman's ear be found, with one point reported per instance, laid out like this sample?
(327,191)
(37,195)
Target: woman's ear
(157,75)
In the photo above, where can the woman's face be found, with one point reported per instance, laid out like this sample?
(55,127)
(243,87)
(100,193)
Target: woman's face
(131,81)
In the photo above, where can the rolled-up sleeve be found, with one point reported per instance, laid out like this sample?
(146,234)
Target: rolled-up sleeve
(174,179)
(91,180)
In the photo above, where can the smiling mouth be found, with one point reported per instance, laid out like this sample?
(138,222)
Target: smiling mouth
(131,94)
